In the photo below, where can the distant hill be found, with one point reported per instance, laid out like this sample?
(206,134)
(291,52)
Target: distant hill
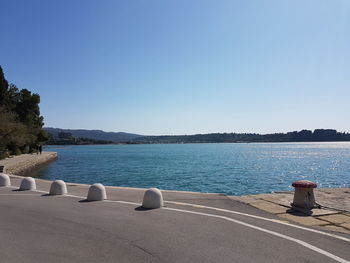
(318,135)
(95,134)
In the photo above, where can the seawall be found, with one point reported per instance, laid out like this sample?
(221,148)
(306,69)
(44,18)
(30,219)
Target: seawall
(25,162)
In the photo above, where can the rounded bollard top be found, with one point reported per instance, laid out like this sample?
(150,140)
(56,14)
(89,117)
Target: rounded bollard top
(154,191)
(58,181)
(27,183)
(304,184)
(152,199)
(98,185)
(96,192)
(4,180)
(58,187)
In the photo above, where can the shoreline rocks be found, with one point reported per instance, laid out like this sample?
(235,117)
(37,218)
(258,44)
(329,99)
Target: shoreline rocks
(24,163)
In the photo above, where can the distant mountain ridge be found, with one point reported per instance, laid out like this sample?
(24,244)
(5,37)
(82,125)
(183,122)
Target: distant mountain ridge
(318,135)
(95,134)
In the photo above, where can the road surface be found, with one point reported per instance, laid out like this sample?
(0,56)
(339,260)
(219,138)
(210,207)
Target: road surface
(192,227)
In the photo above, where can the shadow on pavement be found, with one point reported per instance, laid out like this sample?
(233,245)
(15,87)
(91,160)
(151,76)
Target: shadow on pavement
(141,208)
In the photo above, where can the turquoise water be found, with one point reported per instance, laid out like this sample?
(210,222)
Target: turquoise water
(235,169)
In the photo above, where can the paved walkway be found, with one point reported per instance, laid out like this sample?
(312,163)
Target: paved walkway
(192,227)
(334,213)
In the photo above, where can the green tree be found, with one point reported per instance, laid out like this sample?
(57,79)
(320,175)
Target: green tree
(3,87)
(20,119)
(14,135)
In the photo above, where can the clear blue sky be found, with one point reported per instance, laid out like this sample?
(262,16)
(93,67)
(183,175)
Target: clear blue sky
(184,66)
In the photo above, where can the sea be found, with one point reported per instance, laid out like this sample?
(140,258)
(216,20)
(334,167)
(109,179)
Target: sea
(227,168)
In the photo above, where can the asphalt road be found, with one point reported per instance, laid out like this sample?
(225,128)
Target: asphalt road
(36,228)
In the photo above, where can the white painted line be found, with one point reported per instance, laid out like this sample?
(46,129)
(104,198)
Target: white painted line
(44,192)
(263,218)
(76,196)
(298,241)
(24,194)
(123,202)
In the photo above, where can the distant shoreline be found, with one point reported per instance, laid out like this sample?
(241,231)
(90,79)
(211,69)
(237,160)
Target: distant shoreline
(144,143)
(90,137)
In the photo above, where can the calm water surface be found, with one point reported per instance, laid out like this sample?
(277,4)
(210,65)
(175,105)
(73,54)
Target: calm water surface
(234,168)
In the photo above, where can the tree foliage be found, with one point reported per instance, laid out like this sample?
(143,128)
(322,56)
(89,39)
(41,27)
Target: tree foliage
(66,138)
(20,121)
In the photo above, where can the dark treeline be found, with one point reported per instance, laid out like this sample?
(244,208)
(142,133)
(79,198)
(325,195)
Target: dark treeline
(94,134)
(319,135)
(20,121)
(66,138)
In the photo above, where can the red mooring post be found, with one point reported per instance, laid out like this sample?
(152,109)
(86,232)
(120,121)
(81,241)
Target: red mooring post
(304,194)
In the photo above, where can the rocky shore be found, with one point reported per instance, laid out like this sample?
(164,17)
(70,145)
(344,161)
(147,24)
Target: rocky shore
(25,162)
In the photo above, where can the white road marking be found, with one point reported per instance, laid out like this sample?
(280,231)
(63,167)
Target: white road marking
(76,196)
(300,242)
(124,202)
(39,191)
(24,194)
(265,219)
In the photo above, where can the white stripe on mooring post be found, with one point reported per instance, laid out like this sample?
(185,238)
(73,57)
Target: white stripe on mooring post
(4,180)
(58,187)
(27,183)
(152,199)
(97,192)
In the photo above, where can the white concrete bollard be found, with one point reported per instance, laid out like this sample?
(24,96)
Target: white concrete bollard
(152,199)
(27,183)
(58,187)
(97,192)
(5,180)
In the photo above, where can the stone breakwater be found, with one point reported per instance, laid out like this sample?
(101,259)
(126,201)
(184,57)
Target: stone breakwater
(25,162)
